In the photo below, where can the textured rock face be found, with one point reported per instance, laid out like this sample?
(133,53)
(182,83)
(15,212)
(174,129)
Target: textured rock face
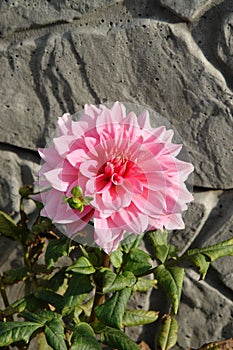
(188,10)
(225,45)
(55,73)
(39,13)
(174,58)
(203,320)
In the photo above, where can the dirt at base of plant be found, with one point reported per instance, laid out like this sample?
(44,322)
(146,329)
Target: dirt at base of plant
(144,346)
(219,345)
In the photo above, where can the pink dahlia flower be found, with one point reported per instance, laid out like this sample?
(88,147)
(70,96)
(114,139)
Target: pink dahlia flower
(118,171)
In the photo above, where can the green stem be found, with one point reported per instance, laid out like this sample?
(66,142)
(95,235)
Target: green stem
(99,296)
(3,293)
(5,298)
(28,265)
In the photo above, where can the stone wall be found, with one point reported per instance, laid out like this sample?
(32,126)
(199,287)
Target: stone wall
(174,56)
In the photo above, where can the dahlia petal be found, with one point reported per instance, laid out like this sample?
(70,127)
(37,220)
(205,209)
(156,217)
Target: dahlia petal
(98,204)
(50,155)
(91,111)
(173,149)
(64,124)
(129,169)
(156,181)
(131,220)
(144,120)
(150,202)
(155,149)
(78,225)
(153,134)
(131,125)
(118,111)
(106,230)
(102,183)
(52,200)
(63,143)
(54,177)
(91,143)
(173,222)
(77,156)
(176,167)
(116,197)
(90,187)
(105,122)
(89,168)
(155,223)
(132,185)
(147,166)
(168,135)
(79,127)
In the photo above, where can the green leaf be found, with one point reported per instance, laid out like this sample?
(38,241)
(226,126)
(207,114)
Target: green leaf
(12,332)
(41,316)
(113,282)
(82,265)
(50,297)
(112,311)
(161,249)
(25,191)
(117,339)
(55,249)
(116,258)
(43,226)
(95,256)
(58,279)
(139,317)
(131,241)
(171,279)
(199,260)
(8,227)
(202,257)
(54,332)
(28,302)
(144,284)
(86,307)
(15,275)
(158,241)
(53,327)
(83,338)
(78,290)
(168,334)
(137,262)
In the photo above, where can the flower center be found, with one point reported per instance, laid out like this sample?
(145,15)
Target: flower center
(115,169)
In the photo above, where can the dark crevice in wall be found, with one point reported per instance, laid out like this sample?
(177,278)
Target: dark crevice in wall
(83,69)
(37,70)
(25,154)
(214,279)
(151,9)
(206,34)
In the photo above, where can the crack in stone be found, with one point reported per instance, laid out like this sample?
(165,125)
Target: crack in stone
(83,70)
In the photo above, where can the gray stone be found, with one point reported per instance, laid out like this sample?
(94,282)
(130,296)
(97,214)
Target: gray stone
(193,220)
(19,15)
(218,228)
(139,301)
(225,42)
(204,315)
(52,74)
(16,170)
(189,10)
(11,257)
(192,81)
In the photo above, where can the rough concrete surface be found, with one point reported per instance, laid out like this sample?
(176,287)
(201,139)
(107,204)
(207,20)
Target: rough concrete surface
(173,56)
